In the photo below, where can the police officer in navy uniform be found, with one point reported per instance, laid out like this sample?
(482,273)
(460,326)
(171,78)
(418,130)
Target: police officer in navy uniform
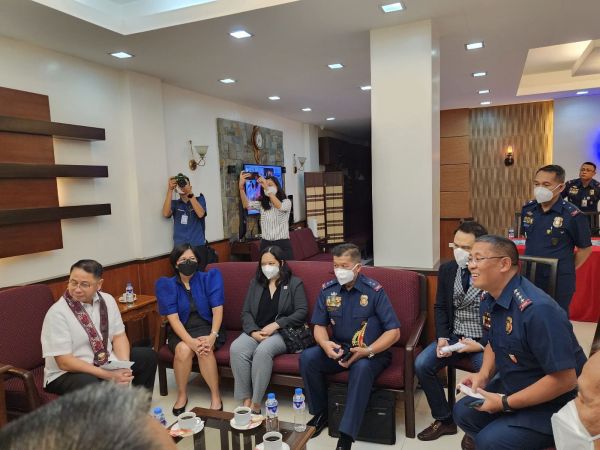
(583,192)
(345,304)
(553,228)
(531,348)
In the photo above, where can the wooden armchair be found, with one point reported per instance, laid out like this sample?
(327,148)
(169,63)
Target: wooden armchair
(3,415)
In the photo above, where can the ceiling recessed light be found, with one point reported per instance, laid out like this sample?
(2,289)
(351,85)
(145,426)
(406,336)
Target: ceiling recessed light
(227,80)
(479,74)
(330,118)
(240,34)
(474,45)
(485,103)
(335,66)
(306,109)
(483,91)
(274,97)
(366,88)
(582,92)
(122,55)
(392,7)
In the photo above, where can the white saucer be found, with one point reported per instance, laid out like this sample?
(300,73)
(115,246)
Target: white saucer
(251,425)
(197,429)
(261,446)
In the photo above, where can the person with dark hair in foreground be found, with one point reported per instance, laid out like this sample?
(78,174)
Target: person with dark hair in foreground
(275,300)
(83,331)
(348,304)
(193,303)
(553,228)
(456,320)
(530,345)
(100,417)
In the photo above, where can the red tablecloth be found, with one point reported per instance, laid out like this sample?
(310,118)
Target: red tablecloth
(585,305)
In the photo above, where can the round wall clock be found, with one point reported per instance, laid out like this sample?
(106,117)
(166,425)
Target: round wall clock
(257,138)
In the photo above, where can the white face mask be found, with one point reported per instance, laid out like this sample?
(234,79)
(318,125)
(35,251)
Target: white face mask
(271,190)
(269,271)
(543,194)
(569,432)
(461,256)
(344,276)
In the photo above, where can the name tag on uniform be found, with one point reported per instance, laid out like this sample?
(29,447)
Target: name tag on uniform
(584,202)
(184,219)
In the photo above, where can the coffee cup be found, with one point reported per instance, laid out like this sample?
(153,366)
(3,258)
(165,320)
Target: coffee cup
(242,416)
(132,299)
(187,420)
(273,440)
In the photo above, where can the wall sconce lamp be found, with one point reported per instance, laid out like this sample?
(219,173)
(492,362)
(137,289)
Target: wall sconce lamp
(201,150)
(509,159)
(299,163)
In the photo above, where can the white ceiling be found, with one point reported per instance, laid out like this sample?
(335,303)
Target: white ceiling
(294,42)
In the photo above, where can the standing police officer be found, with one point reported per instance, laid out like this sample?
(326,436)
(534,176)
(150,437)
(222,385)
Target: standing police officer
(553,228)
(346,304)
(583,192)
(531,346)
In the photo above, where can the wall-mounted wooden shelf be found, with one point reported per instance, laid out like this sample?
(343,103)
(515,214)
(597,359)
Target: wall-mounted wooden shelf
(47,128)
(51,171)
(34,215)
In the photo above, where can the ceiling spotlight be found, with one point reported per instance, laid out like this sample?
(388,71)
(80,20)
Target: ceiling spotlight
(274,97)
(227,80)
(306,109)
(479,74)
(240,34)
(483,91)
(366,88)
(335,66)
(392,7)
(121,55)
(474,45)
(330,118)
(582,92)
(485,103)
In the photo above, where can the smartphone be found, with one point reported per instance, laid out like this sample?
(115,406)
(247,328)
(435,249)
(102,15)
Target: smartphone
(476,403)
(253,175)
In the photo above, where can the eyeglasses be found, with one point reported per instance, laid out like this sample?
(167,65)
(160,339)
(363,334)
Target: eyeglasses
(82,284)
(477,260)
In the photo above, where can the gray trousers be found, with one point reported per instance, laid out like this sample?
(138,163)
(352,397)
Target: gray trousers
(252,364)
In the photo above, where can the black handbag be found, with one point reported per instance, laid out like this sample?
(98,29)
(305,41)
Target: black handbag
(379,422)
(297,338)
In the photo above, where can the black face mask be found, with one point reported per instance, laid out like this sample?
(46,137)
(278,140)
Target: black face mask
(188,267)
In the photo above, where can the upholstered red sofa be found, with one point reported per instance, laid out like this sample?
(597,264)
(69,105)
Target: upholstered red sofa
(406,290)
(304,245)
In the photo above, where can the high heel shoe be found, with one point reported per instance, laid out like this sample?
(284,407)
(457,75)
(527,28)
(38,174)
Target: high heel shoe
(177,411)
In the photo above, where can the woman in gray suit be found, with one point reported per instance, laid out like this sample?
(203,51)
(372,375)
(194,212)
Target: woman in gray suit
(275,300)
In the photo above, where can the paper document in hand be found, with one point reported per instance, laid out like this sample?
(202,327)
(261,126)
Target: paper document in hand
(468,391)
(114,365)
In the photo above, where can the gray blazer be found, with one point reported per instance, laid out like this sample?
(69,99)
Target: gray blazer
(292,310)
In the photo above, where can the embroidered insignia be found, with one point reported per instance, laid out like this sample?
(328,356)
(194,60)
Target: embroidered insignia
(332,321)
(574,213)
(508,325)
(328,283)
(574,190)
(513,358)
(554,241)
(523,302)
(364,300)
(558,221)
(591,192)
(487,320)
(549,231)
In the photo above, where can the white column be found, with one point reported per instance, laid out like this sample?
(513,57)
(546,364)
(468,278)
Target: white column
(405,145)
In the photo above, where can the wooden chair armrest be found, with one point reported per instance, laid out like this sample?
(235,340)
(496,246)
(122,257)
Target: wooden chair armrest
(4,368)
(33,397)
(413,340)
(160,337)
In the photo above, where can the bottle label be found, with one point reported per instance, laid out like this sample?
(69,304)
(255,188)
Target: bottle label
(272,410)
(298,404)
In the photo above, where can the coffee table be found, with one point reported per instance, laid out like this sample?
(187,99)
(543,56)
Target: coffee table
(218,434)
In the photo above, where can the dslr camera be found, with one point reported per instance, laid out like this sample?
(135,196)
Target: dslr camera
(181,180)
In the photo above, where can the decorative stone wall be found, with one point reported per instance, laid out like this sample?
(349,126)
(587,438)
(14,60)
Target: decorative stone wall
(235,149)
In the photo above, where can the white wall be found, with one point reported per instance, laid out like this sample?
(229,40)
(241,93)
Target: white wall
(576,132)
(148,124)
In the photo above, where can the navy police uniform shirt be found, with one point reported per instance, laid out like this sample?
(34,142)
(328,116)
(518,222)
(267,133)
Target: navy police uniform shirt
(347,310)
(531,337)
(555,234)
(585,198)
(188,227)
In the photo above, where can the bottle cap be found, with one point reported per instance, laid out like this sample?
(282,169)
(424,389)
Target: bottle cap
(157,410)
(271,395)
(298,391)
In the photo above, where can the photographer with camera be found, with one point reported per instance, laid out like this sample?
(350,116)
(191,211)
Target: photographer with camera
(188,214)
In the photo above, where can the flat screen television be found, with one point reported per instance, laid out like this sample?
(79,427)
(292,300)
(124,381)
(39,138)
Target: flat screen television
(252,187)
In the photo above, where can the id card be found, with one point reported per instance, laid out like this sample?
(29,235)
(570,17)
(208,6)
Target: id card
(184,219)
(584,203)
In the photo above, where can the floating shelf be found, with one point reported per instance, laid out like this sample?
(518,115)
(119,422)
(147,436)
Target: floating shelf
(47,128)
(51,171)
(33,215)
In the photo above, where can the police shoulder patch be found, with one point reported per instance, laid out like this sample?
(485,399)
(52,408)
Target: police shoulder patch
(372,284)
(328,284)
(529,204)
(523,301)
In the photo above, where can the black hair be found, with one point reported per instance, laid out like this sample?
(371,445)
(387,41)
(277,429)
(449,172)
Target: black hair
(89,266)
(285,273)
(347,249)
(502,245)
(472,227)
(557,170)
(264,198)
(180,249)
(589,163)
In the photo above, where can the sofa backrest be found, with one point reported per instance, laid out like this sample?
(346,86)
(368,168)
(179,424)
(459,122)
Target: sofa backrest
(308,242)
(297,248)
(22,312)
(403,288)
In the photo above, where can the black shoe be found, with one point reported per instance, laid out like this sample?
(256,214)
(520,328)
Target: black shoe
(344,442)
(177,411)
(319,422)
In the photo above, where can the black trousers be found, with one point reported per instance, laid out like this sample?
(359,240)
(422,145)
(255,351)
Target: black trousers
(284,244)
(144,370)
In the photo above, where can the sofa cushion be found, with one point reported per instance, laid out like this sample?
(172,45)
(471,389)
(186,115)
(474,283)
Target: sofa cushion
(222,355)
(15,391)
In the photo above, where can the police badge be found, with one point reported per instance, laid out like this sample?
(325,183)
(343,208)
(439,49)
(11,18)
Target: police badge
(558,221)
(364,300)
(508,325)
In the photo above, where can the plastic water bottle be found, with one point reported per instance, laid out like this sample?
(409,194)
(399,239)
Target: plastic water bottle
(272,422)
(511,233)
(129,292)
(158,414)
(299,411)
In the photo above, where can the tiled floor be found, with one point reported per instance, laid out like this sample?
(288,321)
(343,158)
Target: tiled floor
(198,397)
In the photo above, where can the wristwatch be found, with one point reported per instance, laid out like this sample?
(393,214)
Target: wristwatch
(190,195)
(505,406)
(371,352)
(215,333)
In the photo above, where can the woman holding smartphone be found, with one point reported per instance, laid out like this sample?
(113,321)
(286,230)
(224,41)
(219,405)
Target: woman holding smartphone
(274,207)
